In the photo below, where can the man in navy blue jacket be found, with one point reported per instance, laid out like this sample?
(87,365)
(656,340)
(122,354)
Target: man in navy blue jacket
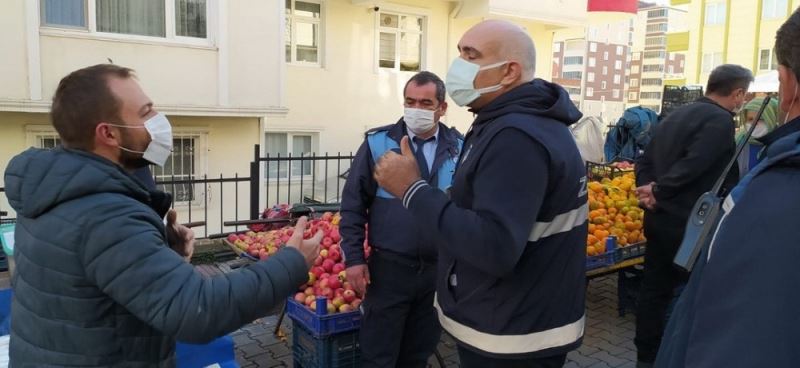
(399,328)
(740,306)
(512,232)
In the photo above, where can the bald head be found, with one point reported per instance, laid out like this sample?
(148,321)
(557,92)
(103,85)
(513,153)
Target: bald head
(503,40)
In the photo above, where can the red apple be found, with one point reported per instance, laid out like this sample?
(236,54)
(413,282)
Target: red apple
(300,298)
(347,286)
(331,308)
(327,216)
(344,308)
(328,265)
(327,242)
(327,292)
(232,238)
(253,253)
(318,271)
(334,283)
(309,291)
(318,261)
(325,276)
(339,292)
(337,302)
(337,268)
(356,303)
(324,282)
(333,255)
(349,296)
(335,236)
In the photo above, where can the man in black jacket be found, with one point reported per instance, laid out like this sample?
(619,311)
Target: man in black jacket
(512,232)
(687,154)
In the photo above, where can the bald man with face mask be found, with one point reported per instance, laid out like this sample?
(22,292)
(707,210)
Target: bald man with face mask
(511,231)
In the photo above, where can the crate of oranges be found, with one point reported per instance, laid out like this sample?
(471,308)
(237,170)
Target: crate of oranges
(614,210)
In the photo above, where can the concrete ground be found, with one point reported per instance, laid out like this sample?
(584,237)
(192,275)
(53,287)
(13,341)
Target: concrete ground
(608,341)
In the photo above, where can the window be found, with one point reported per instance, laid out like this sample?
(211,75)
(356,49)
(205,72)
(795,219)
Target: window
(618,65)
(650,95)
(658,27)
(772,9)
(572,75)
(605,55)
(767,60)
(181,165)
(573,60)
(636,56)
(282,144)
(715,14)
(711,60)
(615,93)
(590,77)
(573,90)
(634,82)
(44,137)
(682,61)
(400,41)
(557,47)
(653,68)
(64,13)
(150,18)
(655,54)
(635,69)
(593,46)
(303,26)
(617,79)
(592,62)
(657,13)
(620,50)
(605,70)
(655,41)
(651,81)
(633,96)
(603,85)
(671,69)
(589,91)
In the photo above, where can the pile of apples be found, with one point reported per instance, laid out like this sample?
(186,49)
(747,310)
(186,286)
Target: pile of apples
(327,277)
(262,244)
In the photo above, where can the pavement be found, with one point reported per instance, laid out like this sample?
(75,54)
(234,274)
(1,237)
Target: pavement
(608,341)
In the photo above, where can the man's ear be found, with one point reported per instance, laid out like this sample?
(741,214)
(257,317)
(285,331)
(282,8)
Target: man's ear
(106,135)
(513,73)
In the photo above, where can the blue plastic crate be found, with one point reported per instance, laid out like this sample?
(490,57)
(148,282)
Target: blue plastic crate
(602,260)
(322,325)
(631,251)
(219,351)
(333,351)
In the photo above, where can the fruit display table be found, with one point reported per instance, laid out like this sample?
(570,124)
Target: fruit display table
(597,272)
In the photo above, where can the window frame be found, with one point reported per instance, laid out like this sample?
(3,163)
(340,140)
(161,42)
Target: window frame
(378,29)
(776,12)
(579,74)
(715,21)
(713,57)
(772,62)
(592,62)
(319,22)
(615,93)
(589,92)
(634,82)
(89,30)
(590,77)
(290,134)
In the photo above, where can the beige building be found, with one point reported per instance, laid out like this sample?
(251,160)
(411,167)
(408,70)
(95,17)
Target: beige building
(297,77)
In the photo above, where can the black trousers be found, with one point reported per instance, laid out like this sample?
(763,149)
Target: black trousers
(400,327)
(471,359)
(660,281)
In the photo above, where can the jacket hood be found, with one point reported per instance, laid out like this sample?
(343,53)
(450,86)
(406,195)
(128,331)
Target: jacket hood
(38,180)
(539,98)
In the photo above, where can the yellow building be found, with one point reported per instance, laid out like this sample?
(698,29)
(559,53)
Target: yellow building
(729,32)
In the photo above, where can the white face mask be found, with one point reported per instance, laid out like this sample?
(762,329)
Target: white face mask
(419,121)
(461,81)
(160,146)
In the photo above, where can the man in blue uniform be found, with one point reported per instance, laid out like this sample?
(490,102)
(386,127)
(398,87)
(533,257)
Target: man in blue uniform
(399,328)
(512,233)
(740,306)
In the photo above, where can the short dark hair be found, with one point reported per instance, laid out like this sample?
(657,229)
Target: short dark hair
(83,100)
(727,78)
(787,44)
(425,77)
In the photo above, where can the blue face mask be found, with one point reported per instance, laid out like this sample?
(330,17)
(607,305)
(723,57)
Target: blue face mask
(461,81)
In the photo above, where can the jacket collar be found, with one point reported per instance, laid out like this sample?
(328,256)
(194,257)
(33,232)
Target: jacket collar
(710,101)
(780,132)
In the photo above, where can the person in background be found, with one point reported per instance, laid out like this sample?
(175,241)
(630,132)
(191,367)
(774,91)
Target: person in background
(399,328)
(688,152)
(769,121)
(740,306)
(96,283)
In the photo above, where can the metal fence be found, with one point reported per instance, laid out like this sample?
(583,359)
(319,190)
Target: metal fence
(218,205)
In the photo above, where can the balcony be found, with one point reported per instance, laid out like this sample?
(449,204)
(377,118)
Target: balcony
(556,13)
(677,42)
(679,81)
(680,2)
